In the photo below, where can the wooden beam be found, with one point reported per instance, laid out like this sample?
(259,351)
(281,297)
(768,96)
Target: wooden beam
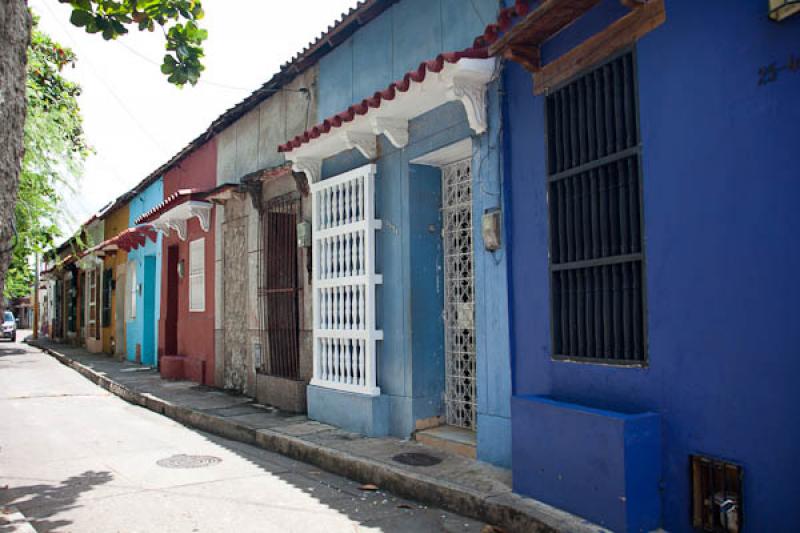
(624,32)
(528,56)
(542,23)
(631,4)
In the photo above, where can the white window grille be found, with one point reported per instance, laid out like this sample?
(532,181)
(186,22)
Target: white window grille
(197,275)
(131,280)
(345,336)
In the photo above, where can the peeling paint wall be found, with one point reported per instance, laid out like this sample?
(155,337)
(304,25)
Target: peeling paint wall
(237,357)
(248,145)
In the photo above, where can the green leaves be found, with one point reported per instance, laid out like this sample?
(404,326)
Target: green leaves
(55,148)
(80,17)
(176,17)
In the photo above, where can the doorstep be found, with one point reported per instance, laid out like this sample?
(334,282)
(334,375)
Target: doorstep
(407,468)
(451,439)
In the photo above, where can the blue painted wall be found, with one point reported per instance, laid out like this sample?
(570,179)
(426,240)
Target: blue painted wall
(144,329)
(411,359)
(395,42)
(720,172)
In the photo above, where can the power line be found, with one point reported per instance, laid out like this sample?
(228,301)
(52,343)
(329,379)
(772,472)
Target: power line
(201,80)
(108,87)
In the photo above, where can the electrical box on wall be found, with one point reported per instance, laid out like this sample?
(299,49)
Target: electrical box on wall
(490,229)
(304,234)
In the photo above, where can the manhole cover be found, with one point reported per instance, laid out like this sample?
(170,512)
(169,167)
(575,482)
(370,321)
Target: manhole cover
(416,459)
(188,461)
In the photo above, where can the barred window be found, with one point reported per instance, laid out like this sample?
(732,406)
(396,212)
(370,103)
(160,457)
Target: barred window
(595,213)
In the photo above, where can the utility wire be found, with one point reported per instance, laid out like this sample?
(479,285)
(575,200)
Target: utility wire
(108,87)
(201,80)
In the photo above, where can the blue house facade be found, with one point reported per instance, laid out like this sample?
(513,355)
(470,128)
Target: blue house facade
(652,224)
(433,360)
(144,287)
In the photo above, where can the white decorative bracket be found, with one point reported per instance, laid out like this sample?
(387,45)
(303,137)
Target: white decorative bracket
(467,84)
(473,96)
(395,129)
(312,168)
(366,143)
(161,226)
(203,213)
(180,228)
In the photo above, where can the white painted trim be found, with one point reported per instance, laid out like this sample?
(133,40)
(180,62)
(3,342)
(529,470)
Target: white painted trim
(451,153)
(197,269)
(464,81)
(176,218)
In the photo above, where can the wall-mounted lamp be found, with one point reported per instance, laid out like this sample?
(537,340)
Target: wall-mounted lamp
(781,9)
(304,241)
(181,269)
(491,230)
(304,234)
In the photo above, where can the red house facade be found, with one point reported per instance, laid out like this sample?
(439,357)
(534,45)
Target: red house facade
(186,324)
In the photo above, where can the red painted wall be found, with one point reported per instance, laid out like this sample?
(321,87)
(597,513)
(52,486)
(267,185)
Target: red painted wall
(195,330)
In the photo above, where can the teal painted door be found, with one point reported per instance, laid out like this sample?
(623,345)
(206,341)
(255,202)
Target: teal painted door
(149,312)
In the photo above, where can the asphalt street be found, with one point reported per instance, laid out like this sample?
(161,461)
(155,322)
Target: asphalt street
(73,457)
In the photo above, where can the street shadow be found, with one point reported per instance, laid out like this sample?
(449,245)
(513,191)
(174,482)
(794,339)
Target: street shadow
(11,351)
(40,502)
(374,508)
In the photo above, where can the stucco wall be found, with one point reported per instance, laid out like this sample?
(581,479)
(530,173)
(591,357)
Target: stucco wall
(248,145)
(135,331)
(719,160)
(395,42)
(410,364)
(115,222)
(251,143)
(239,367)
(195,329)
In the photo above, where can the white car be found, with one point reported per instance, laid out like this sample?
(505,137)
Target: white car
(9,326)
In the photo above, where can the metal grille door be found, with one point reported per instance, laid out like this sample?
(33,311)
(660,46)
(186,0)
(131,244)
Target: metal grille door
(459,308)
(280,291)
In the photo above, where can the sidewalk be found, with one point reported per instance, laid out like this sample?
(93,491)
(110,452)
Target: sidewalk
(470,488)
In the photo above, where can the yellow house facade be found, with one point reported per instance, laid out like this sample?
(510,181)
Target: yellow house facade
(114,263)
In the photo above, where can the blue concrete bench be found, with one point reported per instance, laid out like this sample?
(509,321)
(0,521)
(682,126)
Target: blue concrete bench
(602,465)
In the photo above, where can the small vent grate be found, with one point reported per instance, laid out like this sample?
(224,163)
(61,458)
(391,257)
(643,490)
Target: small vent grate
(716,495)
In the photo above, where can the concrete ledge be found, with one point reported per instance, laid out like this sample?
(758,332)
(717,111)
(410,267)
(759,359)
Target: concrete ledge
(367,415)
(286,394)
(498,507)
(172,366)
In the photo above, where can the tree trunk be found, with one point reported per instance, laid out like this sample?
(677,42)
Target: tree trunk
(15,34)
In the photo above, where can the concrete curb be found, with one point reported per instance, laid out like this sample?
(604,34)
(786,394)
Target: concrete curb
(508,510)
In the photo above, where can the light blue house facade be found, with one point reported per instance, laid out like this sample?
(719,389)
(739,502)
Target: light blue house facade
(432,145)
(144,288)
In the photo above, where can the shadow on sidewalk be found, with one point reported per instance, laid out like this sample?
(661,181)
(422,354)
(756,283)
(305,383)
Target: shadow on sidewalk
(374,509)
(42,501)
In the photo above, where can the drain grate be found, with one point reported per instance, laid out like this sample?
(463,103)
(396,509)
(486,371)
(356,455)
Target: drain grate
(188,461)
(416,459)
